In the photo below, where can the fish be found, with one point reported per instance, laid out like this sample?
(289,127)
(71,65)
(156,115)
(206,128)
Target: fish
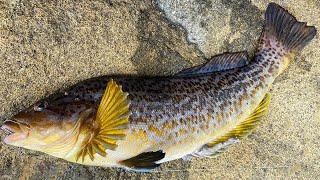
(138,123)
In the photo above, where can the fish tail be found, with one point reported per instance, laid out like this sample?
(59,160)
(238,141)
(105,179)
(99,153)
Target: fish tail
(282,30)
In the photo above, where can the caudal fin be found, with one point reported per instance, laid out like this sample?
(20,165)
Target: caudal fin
(284,28)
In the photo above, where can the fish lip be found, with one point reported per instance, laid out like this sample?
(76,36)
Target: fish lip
(16,121)
(9,130)
(6,128)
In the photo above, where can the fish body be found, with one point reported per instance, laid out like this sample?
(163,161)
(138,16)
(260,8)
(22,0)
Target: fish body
(197,112)
(179,114)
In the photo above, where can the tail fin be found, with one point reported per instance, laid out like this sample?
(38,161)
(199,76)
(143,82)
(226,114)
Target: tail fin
(281,26)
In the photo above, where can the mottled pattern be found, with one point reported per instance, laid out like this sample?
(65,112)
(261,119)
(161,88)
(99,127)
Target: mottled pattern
(284,145)
(173,110)
(179,115)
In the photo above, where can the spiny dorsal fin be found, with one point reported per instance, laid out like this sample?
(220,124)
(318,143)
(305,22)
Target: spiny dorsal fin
(110,124)
(144,161)
(241,130)
(221,62)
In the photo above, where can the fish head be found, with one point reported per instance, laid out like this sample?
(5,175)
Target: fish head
(43,126)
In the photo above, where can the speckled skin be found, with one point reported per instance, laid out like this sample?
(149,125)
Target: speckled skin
(178,115)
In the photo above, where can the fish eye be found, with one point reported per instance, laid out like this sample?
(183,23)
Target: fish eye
(41,106)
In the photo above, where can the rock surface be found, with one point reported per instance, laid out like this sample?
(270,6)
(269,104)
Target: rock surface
(45,46)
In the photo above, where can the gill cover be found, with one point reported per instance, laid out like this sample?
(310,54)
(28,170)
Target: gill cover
(110,124)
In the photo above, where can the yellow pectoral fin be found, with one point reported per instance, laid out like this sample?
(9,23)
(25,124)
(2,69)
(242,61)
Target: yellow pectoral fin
(111,121)
(241,130)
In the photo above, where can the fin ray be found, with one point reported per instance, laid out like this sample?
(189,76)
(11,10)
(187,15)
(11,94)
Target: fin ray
(217,63)
(111,121)
(244,128)
(285,28)
(144,161)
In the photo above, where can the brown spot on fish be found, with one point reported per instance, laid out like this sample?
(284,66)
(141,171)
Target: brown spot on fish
(155,130)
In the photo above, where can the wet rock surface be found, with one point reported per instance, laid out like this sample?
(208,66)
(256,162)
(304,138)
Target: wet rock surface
(46,46)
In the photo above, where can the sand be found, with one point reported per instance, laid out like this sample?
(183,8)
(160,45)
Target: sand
(46,46)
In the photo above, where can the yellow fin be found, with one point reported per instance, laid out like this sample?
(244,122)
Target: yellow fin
(241,130)
(110,124)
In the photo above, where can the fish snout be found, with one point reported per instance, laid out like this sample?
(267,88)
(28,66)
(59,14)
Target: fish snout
(14,131)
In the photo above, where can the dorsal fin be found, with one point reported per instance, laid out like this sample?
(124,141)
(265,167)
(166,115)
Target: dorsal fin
(221,62)
(244,128)
(144,161)
(110,124)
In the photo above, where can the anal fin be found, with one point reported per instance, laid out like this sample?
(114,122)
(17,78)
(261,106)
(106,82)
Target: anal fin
(144,162)
(243,129)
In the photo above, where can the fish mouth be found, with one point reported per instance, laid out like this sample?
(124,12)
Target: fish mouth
(7,130)
(14,131)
